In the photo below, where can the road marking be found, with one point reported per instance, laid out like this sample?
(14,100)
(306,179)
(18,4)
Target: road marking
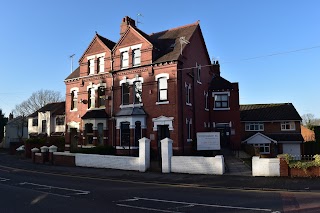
(145,208)
(77,192)
(3,179)
(205,205)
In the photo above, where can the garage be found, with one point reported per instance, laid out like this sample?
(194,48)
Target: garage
(292,149)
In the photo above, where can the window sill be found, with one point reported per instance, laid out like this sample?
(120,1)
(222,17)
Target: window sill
(254,130)
(189,140)
(220,109)
(73,110)
(188,104)
(206,109)
(130,105)
(288,130)
(124,68)
(199,82)
(162,102)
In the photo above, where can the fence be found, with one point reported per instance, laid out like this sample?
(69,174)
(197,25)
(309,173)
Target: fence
(302,157)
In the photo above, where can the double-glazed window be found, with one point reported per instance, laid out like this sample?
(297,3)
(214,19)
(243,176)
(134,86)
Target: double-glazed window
(124,57)
(101,96)
(125,133)
(263,148)
(254,126)
(125,93)
(221,101)
(74,100)
(288,126)
(60,120)
(162,89)
(136,57)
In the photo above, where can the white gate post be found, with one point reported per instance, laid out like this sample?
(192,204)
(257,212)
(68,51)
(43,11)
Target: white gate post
(144,154)
(166,154)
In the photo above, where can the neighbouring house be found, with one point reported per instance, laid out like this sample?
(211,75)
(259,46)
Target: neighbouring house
(273,128)
(154,85)
(307,134)
(48,121)
(16,130)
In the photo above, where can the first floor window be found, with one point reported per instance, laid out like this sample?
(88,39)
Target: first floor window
(60,120)
(74,100)
(125,133)
(35,122)
(254,126)
(163,89)
(137,92)
(89,98)
(125,94)
(188,91)
(288,126)
(263,148)
(221,101)
(101,98)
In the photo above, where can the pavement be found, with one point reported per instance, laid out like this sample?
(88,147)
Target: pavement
(240,182)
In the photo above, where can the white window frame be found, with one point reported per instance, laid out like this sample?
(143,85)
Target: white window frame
(214,101)
(124,60)
(136,57)
(165,76)
(206,108)
(264,146)
(101,64)
(188,94)
(254,126)
(91,67)
(284,125)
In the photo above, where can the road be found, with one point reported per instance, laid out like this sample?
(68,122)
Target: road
(31,191)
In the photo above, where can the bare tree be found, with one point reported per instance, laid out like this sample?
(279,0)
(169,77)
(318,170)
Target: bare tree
(309,121)
(37,100)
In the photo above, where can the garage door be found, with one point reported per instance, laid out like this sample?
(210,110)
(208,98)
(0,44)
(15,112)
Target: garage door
(292,149)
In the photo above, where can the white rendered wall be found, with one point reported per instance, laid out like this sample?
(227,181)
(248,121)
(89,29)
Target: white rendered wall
(265,166)
(197,164)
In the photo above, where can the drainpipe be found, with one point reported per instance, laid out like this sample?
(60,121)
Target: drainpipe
(180,108)
(112,113)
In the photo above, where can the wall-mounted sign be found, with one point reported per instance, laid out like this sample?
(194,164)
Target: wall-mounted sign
(208,141)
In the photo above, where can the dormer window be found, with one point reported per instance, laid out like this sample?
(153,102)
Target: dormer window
(136,57)
(124,57)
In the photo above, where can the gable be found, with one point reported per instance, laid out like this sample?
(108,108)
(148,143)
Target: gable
(259,139)
(95,47)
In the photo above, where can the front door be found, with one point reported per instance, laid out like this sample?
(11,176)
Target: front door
(224,135)
(163,132)
(73,138)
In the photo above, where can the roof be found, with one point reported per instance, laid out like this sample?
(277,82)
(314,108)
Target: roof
(101,113)
(269,112)
(131,111)
(168,42)
(218,83)
(110,44)
(74,74)
(56,108)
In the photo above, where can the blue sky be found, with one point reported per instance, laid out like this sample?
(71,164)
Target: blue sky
(37,37)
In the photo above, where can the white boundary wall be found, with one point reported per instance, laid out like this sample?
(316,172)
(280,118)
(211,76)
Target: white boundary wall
(265,166)
(141,163)
(189,164)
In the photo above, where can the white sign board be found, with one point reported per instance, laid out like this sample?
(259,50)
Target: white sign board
(208,141)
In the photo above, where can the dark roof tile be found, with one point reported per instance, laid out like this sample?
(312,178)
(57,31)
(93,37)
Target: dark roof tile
(101,113)
(74,74)
(57,108)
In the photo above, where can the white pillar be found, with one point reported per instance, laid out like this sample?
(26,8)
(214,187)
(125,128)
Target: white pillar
(144,154)
(166,154)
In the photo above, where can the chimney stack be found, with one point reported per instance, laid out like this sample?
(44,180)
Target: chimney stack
(10,116)
(126,21)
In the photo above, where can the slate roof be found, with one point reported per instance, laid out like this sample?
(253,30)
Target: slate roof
(57,108)
(269,112)
(101,113)
(131,111)
(110,44)
(74,74)
(218,83)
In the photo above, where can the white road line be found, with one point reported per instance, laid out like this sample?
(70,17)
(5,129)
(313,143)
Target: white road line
(206,205)
(3,179)
(79,192)
(144,208)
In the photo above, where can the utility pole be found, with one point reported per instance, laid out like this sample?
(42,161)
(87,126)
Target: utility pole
(71,57)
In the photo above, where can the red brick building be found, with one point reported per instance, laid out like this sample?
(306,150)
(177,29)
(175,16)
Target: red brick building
(149,85)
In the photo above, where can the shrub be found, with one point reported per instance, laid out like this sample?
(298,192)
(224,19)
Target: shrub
(100,150)
(303,164)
